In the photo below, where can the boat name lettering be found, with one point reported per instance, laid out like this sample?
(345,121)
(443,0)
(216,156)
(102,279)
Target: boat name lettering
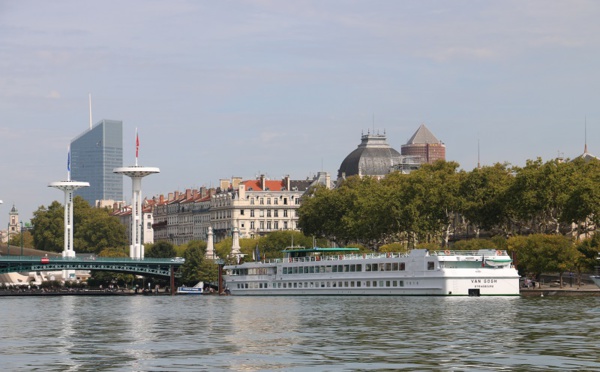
(484,280)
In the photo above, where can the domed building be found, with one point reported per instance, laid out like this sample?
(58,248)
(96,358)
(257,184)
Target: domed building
(374,157)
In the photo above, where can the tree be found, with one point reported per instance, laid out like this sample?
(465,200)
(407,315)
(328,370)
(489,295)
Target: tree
(93,229)
(48,228)
(161,249)
(483,191)
(196,268)
(15,239)
(99,277)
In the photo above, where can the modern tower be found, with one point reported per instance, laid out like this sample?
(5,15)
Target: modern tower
(68,187)
(136,173)
(95,153)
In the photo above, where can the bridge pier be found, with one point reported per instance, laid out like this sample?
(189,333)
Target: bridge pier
(172,280)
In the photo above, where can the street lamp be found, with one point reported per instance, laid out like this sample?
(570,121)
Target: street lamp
(21,238)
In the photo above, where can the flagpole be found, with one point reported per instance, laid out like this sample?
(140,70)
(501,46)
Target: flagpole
(137,146)
(68,163)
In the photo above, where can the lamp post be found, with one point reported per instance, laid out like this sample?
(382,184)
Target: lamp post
(8,239)
(21,238)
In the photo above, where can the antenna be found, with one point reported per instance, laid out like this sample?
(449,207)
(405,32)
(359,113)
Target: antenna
(585,136)
(90,103)
(478,154)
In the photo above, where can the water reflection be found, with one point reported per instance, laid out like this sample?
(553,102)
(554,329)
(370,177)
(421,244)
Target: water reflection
(297,333)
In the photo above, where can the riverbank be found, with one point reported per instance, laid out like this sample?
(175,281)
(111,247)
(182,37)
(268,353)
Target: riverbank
(547,290)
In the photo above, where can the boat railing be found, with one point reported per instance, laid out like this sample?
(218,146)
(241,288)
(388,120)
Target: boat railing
(375,255)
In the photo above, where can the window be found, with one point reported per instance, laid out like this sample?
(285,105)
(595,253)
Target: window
(402,266)
(252,225)
(285,213)
(262,225)
(262,201)
(275,201)
(241,212)
(268,201)
(252,201)
(276,212)
(430,265)
(276,225)
(251,212)
(268,213)
(268,225)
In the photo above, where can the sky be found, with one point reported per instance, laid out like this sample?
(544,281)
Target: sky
(221,89)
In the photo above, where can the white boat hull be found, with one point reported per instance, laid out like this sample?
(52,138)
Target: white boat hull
(422,275)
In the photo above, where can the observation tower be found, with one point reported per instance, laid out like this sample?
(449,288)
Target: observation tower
(136,173)
(68,187)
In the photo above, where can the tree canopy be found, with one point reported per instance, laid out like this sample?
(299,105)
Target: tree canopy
(94,229)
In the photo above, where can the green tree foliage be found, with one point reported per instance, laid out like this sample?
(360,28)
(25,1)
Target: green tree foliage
(196,268)
(540,253)
(27,239)
(48,228)
(161,249)
(104,278)
(94,229)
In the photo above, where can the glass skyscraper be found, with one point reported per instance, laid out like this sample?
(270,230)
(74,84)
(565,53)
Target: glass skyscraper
(94,155)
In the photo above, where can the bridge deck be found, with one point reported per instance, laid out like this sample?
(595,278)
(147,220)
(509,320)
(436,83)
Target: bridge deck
(147,266)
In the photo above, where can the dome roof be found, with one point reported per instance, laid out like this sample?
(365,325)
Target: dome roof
(373,157)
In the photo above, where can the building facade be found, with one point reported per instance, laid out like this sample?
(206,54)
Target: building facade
(94,155)
(425,146)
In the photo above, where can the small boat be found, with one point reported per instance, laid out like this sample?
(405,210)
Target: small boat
(198,289)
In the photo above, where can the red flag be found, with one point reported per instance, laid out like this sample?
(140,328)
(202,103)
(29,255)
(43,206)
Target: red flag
(137,144)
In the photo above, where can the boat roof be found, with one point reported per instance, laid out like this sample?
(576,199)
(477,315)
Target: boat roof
(319,249)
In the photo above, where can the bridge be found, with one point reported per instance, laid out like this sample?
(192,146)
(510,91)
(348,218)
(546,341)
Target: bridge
(148,266)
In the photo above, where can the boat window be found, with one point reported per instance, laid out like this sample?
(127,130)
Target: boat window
(328,268)
(430,265)
(351,284)
(395,283)
(358,284)
(381,267)
(368,283)
(346,268)
(374,283)
(368,267)
(401,283)
(285,270)
(395,266)
(402,266)
(322,269)
(387,283)
(322,284)
(295,285)
(328,284)
(352,268)
(374,267)
(345,284)
(334,284)
(381,283)
(359,267)
(312,269)
(306,269)
(340,284)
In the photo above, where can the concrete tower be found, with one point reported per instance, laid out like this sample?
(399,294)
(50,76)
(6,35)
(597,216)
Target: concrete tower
(68,187)
(136,173)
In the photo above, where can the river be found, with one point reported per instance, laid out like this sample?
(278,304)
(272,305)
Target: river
(212,333)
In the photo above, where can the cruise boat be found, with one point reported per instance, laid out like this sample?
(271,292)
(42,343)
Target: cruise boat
(346,271)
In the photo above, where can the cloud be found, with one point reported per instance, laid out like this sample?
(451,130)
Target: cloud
(53,95)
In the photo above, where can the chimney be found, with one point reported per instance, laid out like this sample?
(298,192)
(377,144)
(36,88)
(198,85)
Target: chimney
(223,184)
(286,182)
(170,196)
(262,181)
(236,182)
(188,194)
(161,199)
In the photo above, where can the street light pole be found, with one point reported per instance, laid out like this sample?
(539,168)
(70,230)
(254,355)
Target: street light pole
(21,238)
(8,239)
